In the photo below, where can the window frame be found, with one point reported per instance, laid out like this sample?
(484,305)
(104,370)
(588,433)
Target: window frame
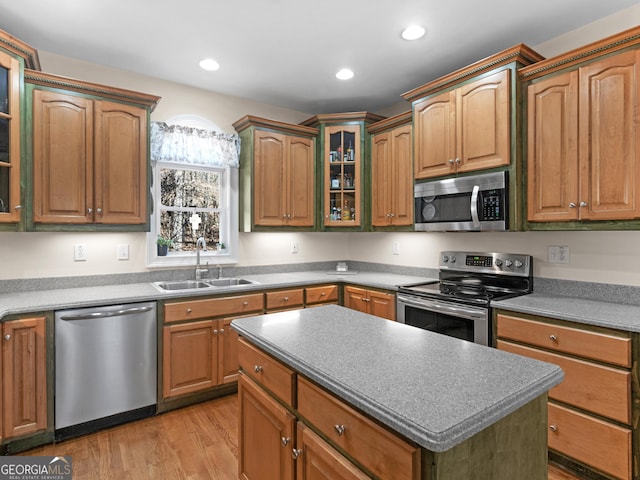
(228,220)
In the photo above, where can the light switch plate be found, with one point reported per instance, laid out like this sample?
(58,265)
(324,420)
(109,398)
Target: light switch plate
(123,252)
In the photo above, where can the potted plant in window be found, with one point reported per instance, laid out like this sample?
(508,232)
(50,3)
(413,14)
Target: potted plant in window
(220,246)
(163,245)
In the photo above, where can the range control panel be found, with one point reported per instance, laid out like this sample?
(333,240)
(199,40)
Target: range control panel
(498,263)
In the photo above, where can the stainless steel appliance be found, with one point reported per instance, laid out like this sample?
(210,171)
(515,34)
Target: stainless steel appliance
(106,367)
(473,203)
(459,304)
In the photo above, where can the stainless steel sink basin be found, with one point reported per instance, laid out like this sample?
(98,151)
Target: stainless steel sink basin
(201,284)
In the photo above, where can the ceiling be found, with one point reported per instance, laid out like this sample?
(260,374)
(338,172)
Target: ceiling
(286,52)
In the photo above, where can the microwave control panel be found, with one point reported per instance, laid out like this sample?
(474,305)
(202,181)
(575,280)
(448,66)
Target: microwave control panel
(491,203)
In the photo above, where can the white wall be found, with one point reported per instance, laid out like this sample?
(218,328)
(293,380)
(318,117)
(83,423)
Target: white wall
(610,257)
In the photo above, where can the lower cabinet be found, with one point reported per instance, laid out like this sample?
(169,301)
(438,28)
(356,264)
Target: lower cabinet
(202,352)
(285,299)
(290,428)
(24,377)
(591,412)
(375,302)
(321,295)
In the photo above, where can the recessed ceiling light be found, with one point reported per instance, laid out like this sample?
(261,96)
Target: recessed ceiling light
(413,32)
(344,74)
(209,64)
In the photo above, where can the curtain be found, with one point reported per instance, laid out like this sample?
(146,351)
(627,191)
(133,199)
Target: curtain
(180,144)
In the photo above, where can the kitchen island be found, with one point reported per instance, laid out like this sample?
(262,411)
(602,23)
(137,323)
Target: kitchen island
(457,409)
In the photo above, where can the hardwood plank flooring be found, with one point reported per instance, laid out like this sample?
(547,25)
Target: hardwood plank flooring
(199,442)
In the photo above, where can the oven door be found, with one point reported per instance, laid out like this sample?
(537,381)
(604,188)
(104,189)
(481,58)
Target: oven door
(465,322)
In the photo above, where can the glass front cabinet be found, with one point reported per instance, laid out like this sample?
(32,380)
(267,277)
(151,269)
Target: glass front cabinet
(9,139)
(343,169)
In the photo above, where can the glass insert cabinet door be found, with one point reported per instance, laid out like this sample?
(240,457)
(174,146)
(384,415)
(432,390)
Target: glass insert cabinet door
(9,139)
(342,179)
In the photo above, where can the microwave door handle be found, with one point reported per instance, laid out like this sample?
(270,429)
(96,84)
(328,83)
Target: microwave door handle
(474,206)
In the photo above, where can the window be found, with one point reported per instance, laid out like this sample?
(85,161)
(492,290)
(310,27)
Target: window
(192,198)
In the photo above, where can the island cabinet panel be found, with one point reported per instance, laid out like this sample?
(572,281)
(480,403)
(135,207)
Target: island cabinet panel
(375,302)
(266,431)
(320,461)
(321,295)
(591,413)
(381,452)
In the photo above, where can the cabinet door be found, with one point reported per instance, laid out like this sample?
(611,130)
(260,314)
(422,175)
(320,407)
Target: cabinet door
(189,358)
(300,182)
(24,374)
(342,180)
(355,298)
(320,461)
(265,434)
(120,164)
(269,192)
(402,189)
(483,123)
(552,142)
(9,139)
(62,158)
(610,138)
(381,176)
(228,363)
(434,139)
(381,304)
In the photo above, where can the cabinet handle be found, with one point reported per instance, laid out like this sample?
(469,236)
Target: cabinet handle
(215,331)
(296,452)
(286,299)
(245,304)
(553,428)
(89,210)
(583,204)
(7,337)
(257,368)
(572,205)
(457,161)
(99,210)
(285,441)
(339,429)
(189,310)
(451,161)
(221,331)
(18,207)
(553,338)
(323,294)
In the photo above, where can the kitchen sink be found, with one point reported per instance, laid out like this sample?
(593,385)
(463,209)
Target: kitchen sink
(201,284)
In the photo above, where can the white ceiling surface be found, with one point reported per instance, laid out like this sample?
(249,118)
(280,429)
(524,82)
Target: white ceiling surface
(286,52)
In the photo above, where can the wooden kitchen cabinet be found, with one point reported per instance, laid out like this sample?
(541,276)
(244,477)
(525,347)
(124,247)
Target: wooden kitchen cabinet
(202,353)
(321,295)
(591,412)
(277,174)
(375,302)
(24,377)
(10,192)
(284,299)
(391,167)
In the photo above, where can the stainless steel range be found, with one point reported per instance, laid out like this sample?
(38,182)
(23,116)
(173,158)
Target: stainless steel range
(459,304)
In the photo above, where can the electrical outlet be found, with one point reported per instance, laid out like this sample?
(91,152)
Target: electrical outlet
(558,254)
(123,252)
(294,247)
(80,253)
(396,248)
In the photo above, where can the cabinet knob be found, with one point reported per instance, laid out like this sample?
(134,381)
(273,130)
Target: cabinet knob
(553,338)
(451,161)
(339,429)
(215,331)
(553,428)
(98,210)
(221,331)
(18,207)
(572,205)
(457,160)
(286,299)
(583,204)
(89,210)
(296,452)
(7,337)
(245,303)
(285,441)
(189,310)
(257,368)
(323,294)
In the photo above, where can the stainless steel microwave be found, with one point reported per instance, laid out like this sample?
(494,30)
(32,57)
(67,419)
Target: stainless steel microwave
(475,203)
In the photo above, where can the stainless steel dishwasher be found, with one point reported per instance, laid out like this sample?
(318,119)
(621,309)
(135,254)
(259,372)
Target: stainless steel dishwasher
(106,367)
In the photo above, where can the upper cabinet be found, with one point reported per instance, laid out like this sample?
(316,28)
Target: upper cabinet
(343,169)
(583,139)
(391,167)
(465,121)
(90,159)
(277,174)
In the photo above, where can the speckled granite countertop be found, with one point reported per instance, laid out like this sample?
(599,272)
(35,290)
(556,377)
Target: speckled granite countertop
(16,303)
(433,389)
(590,312)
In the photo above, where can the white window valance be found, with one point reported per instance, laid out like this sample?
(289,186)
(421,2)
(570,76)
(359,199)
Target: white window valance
(182,144)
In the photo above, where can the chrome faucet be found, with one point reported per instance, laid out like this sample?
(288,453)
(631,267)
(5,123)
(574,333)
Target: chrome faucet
(200,243)
(219,268)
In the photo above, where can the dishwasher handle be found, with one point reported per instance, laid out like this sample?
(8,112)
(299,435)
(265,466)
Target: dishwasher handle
(115,313)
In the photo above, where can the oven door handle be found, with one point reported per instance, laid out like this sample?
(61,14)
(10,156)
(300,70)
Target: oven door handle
(474,206)
(455,310)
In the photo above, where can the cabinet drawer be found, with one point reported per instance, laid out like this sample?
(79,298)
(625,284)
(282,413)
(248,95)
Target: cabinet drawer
(213,307)
(595,345)
(283,299)
(268,371)
(383,453)
(597,443)
(599,389)
(323,294)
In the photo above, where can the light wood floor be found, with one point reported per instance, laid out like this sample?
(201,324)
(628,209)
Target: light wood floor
(194,443)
